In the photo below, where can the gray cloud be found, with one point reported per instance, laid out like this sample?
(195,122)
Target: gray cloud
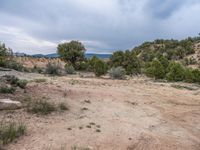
(37,26)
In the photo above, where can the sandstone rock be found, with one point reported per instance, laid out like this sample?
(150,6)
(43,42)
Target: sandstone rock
(7,104)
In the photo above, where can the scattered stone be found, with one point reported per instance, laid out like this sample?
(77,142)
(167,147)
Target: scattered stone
(97,130)
(88,126)
(98,126)
(7,104)
(92,123)
(84,108)
(87,101)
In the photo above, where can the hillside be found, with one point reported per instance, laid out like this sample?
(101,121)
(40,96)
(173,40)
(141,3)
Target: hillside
(186,51)
(40,62)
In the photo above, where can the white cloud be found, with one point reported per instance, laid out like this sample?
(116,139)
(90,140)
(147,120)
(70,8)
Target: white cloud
(102,25)
(23,42)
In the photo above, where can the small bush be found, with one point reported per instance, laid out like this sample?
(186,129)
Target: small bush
(189,77)
(14,81)
(41,107)
(37,69)
(53,69)
(82,65)
(14,65)
(176,72)
(156,70)
(63,106)
(100,68)
(11,79)
(22,83)
(117,73)
(196,75)
(69,69)
(10,131)
(7,90)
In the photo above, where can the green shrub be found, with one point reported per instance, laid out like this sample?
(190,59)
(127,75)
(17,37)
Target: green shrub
(69,69)
(41,107)
(53,69)
(14,81)
(189,77)
(14,65)
(22,83)
(92,62)
(176,72)
(196,75)
(156,70)
(7,90)
(37,69)
(81,65)
(10,131)
(164,61)
(128,60)
(11,79)
(100,68)
(117,73)
(4,54)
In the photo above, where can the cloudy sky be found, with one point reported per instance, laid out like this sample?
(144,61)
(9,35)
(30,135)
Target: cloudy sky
(37,26)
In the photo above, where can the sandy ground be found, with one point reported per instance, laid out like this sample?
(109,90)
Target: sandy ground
(134,114)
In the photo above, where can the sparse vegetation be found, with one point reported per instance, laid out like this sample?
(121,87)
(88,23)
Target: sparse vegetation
(117,73)
(41,107)
(156,70)
(22,83)
(53,69)
(63,107)
(37,69)
(15,65)
(4,54)
(69,69)
(7,90)
(79,148)
(128,60)
(40,80)
(14,81)
(9,131)
(176,72)
(100,68)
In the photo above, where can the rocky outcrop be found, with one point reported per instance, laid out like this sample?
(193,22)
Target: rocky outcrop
(7,104)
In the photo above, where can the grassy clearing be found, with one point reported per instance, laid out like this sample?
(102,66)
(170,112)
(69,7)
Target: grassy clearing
(9,131)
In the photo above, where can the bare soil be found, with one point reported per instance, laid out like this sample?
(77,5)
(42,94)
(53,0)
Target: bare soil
(105,114)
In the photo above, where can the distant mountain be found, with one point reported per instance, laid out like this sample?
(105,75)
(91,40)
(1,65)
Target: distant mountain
(102,56)
(20,54)
(87,55)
